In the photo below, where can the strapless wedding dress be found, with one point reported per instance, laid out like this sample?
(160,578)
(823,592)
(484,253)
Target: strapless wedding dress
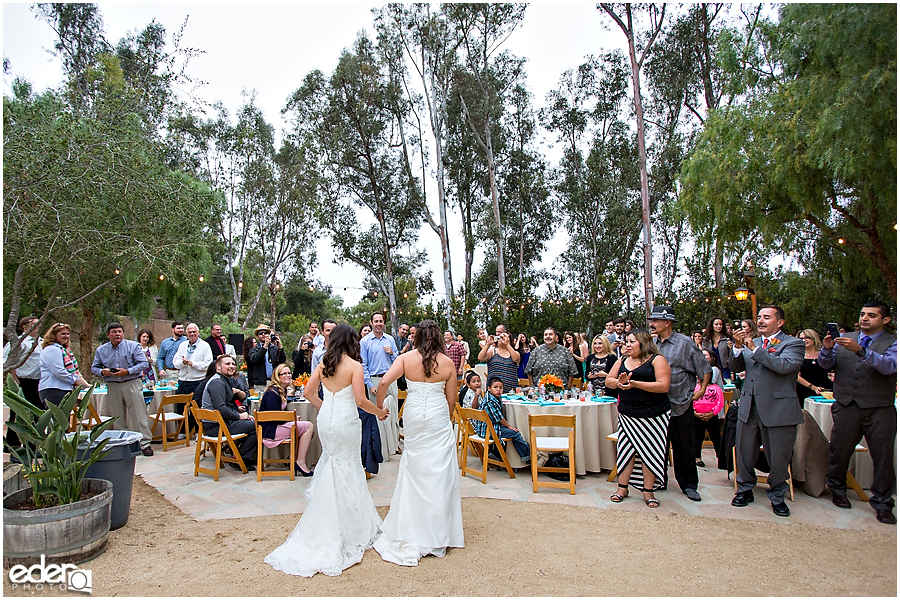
(425,515)
(340,521)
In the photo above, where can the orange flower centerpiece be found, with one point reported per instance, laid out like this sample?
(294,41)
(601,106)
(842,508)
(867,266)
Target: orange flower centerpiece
(301,380)
(551,383)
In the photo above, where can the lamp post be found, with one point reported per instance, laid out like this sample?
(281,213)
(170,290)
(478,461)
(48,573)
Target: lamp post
(743,292)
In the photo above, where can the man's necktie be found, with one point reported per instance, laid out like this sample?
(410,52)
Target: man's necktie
(765,343)
(864,341)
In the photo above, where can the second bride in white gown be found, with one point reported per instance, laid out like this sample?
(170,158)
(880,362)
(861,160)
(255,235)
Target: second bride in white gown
(340,521)
(426,514)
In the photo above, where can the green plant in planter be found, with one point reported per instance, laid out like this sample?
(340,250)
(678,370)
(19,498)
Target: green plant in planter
(49,455)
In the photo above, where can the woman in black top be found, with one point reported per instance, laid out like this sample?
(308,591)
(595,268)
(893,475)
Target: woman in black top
(600,363)
(642,376)
(274,432)
(812,379)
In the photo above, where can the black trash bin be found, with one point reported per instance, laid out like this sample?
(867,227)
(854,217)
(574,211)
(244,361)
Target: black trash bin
(118,468)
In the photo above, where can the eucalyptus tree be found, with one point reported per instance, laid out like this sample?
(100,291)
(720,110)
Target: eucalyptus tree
(686,82)
(806,158)
(597,182)
(624,16)
(427,42)
(487,74)
(349,121)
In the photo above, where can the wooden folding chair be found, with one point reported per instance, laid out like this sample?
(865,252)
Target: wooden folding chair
(281,416)
(89,421)
(223,436)
(851,480)
(577,382)
(761,478)
(524,382)
(491,439)
(614,436)
(552,444)
(163,417)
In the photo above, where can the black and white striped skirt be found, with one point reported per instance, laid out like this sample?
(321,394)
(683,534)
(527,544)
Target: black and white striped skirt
(643,439)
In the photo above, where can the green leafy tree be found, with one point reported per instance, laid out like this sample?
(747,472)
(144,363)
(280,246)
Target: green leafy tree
(807,161)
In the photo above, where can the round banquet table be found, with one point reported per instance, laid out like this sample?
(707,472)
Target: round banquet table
(305,412)
(861,462)
(593,422)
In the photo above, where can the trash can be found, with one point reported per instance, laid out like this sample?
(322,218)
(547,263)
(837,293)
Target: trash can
(116,467)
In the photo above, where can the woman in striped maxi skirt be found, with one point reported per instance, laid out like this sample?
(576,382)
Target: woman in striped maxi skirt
(642,376)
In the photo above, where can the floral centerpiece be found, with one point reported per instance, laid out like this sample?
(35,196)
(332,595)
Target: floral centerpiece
(301,380)
(551,383)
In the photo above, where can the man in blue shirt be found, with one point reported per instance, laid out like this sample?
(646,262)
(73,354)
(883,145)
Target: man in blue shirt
(378,352)
(121,362)
(167,349)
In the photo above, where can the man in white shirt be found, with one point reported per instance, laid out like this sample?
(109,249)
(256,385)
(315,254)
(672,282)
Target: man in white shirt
(192,359)
(28,375)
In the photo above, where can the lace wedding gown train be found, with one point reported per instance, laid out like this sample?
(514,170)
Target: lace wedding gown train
(340,521)
(425,515)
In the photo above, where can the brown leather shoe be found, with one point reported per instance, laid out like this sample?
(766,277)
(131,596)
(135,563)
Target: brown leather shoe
(886,516)
(840,501)
(147,451)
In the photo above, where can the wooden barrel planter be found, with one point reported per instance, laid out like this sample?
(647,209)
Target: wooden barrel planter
(71,533)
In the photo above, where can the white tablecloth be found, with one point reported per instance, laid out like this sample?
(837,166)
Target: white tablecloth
(861,463)
(593,422)
(389,429)
(305,412)
(98,399)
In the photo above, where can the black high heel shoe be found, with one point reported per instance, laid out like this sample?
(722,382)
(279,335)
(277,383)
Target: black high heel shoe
(301,472)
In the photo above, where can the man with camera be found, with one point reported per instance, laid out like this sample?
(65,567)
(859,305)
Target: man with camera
(264,357)
(865,383)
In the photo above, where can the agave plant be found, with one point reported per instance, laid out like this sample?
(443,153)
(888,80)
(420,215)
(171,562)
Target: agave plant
(49,453)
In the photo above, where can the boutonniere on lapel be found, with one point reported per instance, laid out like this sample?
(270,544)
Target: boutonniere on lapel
(773,345)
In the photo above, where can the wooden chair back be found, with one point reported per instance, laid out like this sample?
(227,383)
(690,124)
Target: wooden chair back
(163,417)
(222,437)
(282,416)
(481,445)
(552,444)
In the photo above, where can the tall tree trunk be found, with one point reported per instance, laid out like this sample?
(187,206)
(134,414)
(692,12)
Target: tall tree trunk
(645,188)
(86,340)
(495,204)
(719,268)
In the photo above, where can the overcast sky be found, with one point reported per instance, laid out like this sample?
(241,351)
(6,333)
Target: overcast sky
(269,48)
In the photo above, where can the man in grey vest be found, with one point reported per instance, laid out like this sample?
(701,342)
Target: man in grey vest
(865,383)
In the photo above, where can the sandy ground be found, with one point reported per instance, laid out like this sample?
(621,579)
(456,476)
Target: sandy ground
(512,549)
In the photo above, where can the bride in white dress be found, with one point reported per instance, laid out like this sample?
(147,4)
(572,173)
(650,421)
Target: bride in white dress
(425,515)
(340,521)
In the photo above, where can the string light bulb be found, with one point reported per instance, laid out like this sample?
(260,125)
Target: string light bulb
(201,279)
(162,277)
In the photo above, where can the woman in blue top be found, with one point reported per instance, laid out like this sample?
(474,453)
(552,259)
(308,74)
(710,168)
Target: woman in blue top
(59,368)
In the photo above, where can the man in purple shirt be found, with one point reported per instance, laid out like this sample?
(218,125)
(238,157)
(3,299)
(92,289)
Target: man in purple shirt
(121,362)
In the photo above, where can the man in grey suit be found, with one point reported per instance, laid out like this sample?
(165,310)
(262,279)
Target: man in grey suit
(865,383)
(768,411)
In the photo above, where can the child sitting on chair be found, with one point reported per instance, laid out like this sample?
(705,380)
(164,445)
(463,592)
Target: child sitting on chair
(494,408)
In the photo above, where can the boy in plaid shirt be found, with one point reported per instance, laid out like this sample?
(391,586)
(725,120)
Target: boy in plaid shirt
(493,407)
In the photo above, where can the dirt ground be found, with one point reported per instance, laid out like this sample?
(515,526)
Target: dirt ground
(512,549)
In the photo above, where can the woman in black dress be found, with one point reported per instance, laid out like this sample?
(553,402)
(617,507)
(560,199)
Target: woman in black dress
(812,379)
(642,376)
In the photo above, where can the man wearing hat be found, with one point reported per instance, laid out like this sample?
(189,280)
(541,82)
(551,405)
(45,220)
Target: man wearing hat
(688,366)
(264,357)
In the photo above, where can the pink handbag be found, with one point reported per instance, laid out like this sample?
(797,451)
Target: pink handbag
(711,401)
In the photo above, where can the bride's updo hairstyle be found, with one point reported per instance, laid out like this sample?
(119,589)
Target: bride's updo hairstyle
(344,340)
(429,342)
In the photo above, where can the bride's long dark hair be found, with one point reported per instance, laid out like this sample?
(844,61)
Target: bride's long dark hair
(344,340)
(429,342)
